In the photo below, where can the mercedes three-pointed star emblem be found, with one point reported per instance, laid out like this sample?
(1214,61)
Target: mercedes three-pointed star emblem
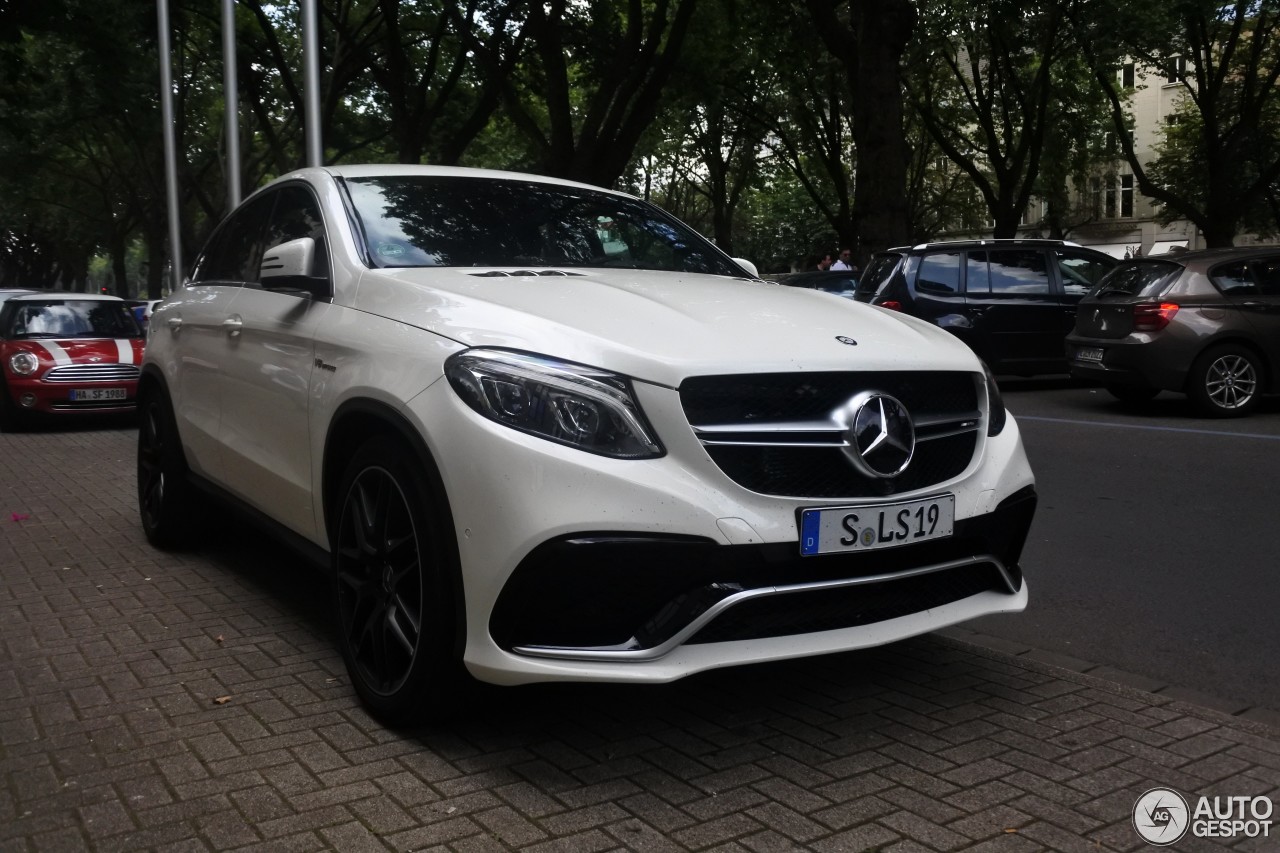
(880,438)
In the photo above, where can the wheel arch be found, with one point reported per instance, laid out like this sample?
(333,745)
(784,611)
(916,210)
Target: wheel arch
(1270,373)
(354,422)
(151,379)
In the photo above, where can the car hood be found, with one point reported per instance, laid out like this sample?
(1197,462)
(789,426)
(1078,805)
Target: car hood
(658,326)
(61,352)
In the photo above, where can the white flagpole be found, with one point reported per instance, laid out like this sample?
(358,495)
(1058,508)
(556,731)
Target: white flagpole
(311,82)
(231,100)
(170,148)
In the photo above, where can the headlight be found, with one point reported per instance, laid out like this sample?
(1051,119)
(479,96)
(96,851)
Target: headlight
(23,363)
(997,415)
(572,404)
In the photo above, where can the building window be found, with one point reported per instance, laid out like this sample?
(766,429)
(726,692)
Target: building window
(1176,69)
(1126,195)
(1126,75)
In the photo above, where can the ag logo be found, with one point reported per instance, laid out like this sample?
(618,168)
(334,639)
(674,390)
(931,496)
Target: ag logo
(1161,816)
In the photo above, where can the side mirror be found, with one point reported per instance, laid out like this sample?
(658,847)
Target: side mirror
(286,268)
(291,258)
(748,266)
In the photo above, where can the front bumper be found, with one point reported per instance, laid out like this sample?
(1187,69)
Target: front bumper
(582,568)
(626,597)
(57,398)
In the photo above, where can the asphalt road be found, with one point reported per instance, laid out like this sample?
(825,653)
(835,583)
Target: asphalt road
(1154,548)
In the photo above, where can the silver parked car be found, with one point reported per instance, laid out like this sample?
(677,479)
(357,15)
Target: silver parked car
(1205,323)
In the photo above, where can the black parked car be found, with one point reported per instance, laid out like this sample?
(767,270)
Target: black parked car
(1012,301)
(842,283)
(1205,323)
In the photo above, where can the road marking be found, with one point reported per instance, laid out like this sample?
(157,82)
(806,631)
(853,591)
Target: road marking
(1021,418)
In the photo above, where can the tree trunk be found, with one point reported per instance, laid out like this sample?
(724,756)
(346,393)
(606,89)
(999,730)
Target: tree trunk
(883,28)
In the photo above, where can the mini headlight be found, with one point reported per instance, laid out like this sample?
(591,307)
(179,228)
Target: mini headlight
(582,407)
(23,363)
(996,416)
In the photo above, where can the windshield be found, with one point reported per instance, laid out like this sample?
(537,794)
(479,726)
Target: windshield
(441,221)
(70,318)
(1135,278)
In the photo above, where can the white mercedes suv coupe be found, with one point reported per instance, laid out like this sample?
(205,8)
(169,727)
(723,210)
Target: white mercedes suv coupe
(535,430)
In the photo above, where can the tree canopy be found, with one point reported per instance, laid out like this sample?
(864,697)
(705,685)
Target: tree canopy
(781,130)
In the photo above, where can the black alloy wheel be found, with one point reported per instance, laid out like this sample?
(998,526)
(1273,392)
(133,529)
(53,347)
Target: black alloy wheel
(166,500)
(1226,381)
(392,567)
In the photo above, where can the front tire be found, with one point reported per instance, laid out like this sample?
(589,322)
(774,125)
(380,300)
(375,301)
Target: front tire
(394,561)
(167,503)
(1226,382)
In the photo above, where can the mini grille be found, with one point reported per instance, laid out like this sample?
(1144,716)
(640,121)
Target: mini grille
(93,373)
(775,434)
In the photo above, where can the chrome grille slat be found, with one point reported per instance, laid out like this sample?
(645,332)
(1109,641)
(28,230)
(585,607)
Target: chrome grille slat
(93,373)
(778,434)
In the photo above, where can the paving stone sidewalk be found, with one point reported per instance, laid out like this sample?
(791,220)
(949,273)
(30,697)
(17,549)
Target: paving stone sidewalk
(198,702)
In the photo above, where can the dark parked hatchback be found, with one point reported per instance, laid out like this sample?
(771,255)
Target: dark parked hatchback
(1204,323)
(1012,301)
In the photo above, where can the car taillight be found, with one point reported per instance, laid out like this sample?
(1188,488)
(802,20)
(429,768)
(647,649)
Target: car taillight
(1153,316)
(891,304)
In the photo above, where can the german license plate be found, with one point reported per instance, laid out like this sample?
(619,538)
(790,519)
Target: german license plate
(830,530)
(1089,354)
(96,395)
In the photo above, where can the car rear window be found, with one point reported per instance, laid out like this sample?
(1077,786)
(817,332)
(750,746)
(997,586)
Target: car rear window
(1136,278)
(878,272)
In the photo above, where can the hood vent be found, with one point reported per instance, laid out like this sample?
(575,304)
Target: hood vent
(520,273)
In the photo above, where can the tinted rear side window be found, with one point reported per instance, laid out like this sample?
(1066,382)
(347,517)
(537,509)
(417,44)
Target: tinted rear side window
(1019,272)
(1234,280)
(1248,278)
(1266,273)
(1136,278)
(878,272)
(1080,271)
(939,273)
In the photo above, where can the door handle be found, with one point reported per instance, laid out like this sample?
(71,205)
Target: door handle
(175,323)
(232,326)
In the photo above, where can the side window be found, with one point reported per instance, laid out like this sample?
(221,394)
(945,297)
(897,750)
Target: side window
(297,215)
(1234,280)
(1080,272)
(1019,272)
(977,274)
(1266,273)
(939,273)
(234,253)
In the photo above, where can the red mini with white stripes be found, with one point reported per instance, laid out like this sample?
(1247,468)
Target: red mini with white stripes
(67,353)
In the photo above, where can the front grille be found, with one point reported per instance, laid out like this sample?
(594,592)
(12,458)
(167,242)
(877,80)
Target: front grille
(776,434)
(93,373)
